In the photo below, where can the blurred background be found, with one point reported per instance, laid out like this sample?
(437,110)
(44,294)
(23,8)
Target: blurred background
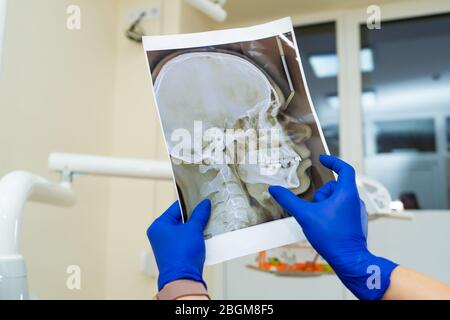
(381,89)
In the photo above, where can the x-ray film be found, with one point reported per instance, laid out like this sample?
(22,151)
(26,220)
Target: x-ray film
(237,118)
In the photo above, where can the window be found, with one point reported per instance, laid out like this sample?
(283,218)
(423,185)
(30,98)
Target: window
(405,136)
(448,134)
(405,103)
(317,46)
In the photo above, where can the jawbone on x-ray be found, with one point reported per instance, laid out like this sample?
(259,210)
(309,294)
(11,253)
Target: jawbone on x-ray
(237,119)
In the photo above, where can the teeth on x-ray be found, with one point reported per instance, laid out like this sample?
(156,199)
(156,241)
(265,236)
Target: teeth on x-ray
(229,91)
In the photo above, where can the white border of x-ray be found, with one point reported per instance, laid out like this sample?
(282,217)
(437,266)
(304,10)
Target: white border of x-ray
(267,235)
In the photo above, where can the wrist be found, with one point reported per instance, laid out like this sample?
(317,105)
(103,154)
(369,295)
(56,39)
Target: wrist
(366,276)
(173,274)
(183,289)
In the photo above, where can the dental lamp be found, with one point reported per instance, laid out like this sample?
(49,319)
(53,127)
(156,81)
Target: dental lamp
(212,8)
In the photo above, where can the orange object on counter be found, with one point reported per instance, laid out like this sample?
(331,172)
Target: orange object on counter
(273,264)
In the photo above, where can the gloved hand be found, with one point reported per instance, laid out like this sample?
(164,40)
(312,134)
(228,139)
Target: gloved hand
(179,247)
(335,224)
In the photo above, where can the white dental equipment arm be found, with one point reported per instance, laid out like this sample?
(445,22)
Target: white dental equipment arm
(18,187)
(15,189)
(77,164)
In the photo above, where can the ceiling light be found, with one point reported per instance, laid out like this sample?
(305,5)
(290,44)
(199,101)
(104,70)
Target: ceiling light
(368,100)
(333,102)
(327,65)
(366,59)
(324,65)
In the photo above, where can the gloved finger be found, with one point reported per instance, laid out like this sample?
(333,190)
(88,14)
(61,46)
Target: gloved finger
(172,215)
(343,169)
(325,191)
(201,213)
(297,207)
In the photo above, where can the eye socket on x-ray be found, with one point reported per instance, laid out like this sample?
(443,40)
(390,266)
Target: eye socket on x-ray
(251,87)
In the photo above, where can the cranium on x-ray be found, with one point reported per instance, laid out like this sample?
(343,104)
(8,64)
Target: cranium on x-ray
(225,90)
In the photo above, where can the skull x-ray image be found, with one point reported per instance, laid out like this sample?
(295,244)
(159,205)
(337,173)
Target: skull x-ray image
(237,118)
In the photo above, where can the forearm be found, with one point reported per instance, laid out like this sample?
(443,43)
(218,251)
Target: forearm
(410,285)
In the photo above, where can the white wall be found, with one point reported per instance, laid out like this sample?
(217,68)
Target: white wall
(136,133)
(3,4)
(55,94)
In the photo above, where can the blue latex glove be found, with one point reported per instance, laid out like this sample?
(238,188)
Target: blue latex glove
(179,247)
(335,224)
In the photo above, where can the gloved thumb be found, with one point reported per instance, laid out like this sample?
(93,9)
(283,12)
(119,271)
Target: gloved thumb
(297,207)
(201,213)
